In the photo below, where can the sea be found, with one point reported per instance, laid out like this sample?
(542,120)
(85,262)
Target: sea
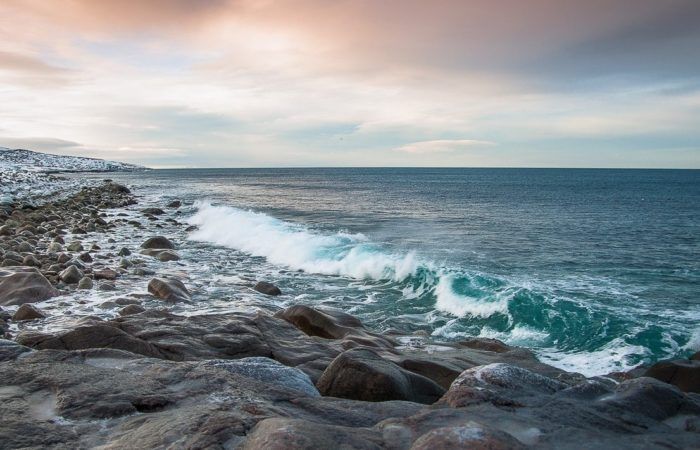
(595,270)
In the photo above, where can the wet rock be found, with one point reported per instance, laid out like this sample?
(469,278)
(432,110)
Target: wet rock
(85,257)
(117,188)
(269,371)
(63,258)
(75,246)
(174,204)
(85,283)
(685,374)
(161,255)
(24,285)
(267,288)
(25,247)
(283,433)
(471,435)
(71,275)
(124,252)
(333,324)
(169,289)
(153,211)
(131,309)
(31,261)
(28,312)
(10,350)
(361,374)
(105,274)
(499,383)
(107,286)
(55,247)
(158,242)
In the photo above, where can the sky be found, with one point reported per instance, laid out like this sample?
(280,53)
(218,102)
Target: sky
(265,83)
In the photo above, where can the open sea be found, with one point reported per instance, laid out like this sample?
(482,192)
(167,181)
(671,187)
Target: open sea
(595,270)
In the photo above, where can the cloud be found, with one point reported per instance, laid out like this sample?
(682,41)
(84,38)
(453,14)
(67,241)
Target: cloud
(37,143)
(443,146)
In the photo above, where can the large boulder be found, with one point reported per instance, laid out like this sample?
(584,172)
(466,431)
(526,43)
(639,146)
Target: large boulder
(501,384)
(361,374)
(169,289)
(158,242)
(683,373)
(24,285)
(330,323)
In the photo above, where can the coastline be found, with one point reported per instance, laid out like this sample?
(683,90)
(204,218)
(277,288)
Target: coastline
(142,375)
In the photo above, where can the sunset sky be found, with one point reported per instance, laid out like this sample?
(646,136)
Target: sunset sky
(229,83)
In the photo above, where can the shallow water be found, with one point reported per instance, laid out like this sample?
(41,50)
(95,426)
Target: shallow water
(597,270)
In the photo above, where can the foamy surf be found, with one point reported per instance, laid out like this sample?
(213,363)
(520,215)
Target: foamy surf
(349,255)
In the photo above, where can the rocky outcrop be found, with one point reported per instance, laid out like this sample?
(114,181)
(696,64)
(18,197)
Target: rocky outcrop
(361,374)
(683,373)
(24,285)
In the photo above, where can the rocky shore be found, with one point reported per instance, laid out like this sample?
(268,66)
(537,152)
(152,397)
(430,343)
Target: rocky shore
(142,374)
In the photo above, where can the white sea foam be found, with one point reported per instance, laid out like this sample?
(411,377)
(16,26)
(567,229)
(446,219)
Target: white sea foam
(298,248)
(349,255)
(448,300)
(615,356)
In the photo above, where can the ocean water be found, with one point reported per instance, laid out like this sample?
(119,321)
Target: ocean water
(596,270)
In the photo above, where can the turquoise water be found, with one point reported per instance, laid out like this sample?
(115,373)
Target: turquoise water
(598,270)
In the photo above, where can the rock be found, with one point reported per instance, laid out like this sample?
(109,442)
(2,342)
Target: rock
(31,261)
(174,204)
(158,242)
(695,356)
(85,257)
(169,289)
(361,374)
(267,288)
(71,275)
(24,285)
(131,309)
(75,246)
(168,255)
(283,433)
(107,286)
(28,312)
(499,383)
(153,211)
(63,258)
(333,324)
(124,252)
(55,247)
(471,435)
(161,255)
(117,188)
(85,283)
(10,350)
(105,274)
(685,374)
(271,372)
(25,247)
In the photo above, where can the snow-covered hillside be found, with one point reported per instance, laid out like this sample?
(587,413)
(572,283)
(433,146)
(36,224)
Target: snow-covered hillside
(43,162)
(28,176)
